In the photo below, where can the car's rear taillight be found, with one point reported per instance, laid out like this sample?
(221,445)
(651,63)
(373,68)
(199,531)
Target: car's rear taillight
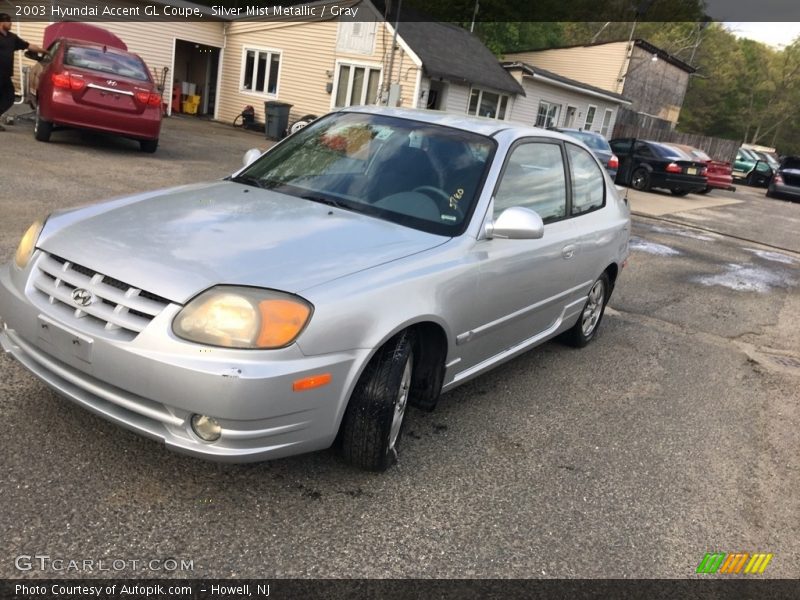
(67,81)
(674,168)
(148,98)
(778,179)
(704,171)
(613,162)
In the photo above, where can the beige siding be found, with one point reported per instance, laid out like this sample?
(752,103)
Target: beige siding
(309,63)
(600,66)
(526,108)
(457,100)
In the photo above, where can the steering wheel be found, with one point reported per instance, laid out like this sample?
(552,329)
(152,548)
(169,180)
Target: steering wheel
(440,196)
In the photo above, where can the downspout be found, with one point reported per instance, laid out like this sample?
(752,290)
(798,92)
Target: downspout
(391,51)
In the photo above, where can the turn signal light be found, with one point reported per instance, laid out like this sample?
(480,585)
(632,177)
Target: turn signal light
(309,383)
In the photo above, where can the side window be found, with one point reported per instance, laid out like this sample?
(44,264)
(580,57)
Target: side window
(643,150)
(588,183)
(534,178)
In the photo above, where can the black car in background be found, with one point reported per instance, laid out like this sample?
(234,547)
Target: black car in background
(786,181)
(645,164)
(599,147)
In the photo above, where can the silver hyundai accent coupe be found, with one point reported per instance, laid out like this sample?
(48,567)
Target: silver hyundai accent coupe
(374,259)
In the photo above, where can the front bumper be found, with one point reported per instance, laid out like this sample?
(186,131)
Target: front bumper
(154,383)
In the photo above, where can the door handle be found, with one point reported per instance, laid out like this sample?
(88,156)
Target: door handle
(568,252)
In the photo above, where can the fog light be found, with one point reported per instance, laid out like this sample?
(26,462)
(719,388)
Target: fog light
(206,428)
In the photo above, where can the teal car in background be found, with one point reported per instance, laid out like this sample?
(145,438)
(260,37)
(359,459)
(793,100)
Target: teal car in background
(752,167)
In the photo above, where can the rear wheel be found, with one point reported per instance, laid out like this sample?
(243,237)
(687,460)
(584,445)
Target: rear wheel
(41,128)
(373,421)
(640,180)
(148,146)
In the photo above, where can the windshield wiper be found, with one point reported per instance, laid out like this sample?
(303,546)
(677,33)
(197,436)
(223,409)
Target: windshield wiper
(326,200)
(249,180)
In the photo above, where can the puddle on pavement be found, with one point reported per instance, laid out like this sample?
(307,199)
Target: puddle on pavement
(773,256)
(641,245)
(747,279)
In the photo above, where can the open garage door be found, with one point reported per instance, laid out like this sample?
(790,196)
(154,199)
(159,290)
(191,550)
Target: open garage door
(195,70)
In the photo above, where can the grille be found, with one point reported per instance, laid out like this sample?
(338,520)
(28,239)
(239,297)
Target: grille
(117,308)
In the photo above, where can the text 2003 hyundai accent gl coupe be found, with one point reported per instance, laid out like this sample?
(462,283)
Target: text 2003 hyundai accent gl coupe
(375,258)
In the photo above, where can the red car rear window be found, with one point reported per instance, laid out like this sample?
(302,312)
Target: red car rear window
(115,63)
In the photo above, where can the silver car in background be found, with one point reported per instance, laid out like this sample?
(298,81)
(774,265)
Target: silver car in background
(374,259)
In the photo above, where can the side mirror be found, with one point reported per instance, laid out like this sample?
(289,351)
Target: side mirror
(516,223)
(251,156)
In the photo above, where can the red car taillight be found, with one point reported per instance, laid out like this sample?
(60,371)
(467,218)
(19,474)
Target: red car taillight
(148,98)
(613,162)
(777,178)
(674,168)
(68,81)
(704,171)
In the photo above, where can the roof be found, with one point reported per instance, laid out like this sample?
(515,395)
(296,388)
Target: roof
(550,77)
(448,51)
(643,44)
(479,125)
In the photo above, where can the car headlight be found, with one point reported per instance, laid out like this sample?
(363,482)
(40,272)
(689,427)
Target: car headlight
(28,244)
(242,317)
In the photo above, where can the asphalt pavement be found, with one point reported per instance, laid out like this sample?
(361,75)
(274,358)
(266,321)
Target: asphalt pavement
(674,434)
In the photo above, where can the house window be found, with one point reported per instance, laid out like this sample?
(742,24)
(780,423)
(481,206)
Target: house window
(590,113)
(604,130)
(548,114)
(487,104)
(357,85)
(260,71)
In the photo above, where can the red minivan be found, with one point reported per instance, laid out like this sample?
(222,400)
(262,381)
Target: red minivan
(89,80)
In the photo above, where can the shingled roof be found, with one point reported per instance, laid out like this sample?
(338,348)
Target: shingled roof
(453,53)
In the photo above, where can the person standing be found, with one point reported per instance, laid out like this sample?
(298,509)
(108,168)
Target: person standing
(9,43)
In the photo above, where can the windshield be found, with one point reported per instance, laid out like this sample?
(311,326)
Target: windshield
(593,140)
(409,172)
(791,162)
(668,151)
(106,60)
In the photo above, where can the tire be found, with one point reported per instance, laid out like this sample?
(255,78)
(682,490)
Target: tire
(302,122)
(41,128)
(679,192)
(640,180)
(373,422)
(148,146)
(592,313)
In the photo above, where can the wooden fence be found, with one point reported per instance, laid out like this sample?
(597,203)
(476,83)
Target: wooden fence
(633,125)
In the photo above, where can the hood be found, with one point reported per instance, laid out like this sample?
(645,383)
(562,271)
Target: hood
(180,242)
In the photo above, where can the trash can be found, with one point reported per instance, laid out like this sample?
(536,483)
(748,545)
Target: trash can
(277,119)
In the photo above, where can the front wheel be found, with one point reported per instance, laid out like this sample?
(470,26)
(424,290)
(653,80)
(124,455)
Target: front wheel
(41,128)
(373,421)
(585,329)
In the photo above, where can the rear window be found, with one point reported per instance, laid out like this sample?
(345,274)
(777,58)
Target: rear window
(791,163)
(667,151)
(106,61)
(593,140)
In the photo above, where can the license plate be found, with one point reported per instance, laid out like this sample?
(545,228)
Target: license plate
(691,171)
(63,343)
